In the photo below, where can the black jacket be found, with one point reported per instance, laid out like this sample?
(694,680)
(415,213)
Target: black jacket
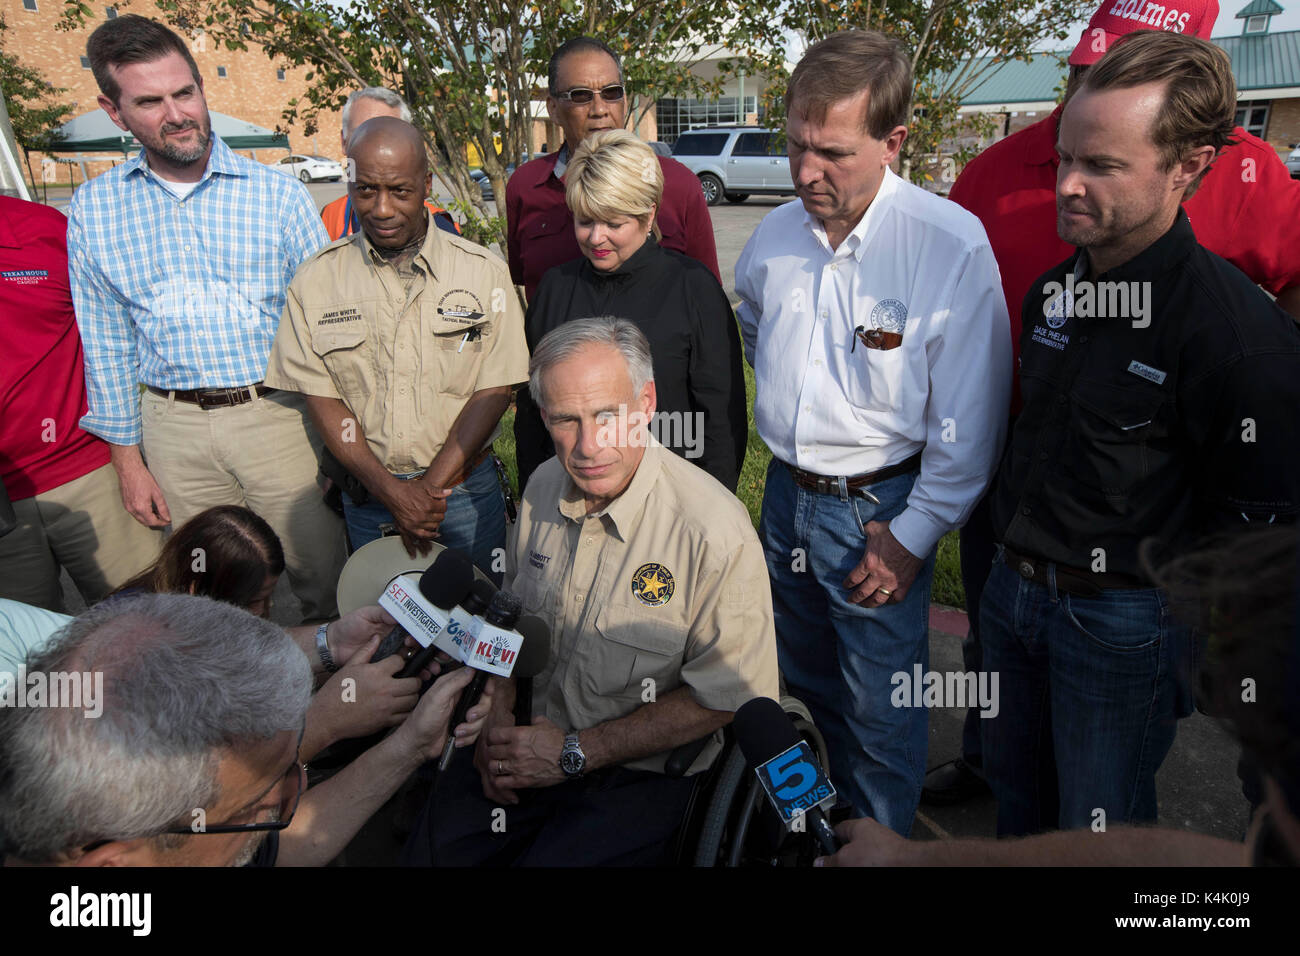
(1174,430)
(694,343)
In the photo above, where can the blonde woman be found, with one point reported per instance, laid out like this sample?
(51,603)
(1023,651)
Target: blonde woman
(613,187)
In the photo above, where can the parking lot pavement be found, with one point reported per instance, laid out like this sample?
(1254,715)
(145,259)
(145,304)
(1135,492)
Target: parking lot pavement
(732,227)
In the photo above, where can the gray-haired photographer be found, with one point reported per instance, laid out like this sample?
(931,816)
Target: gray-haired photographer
(195,758)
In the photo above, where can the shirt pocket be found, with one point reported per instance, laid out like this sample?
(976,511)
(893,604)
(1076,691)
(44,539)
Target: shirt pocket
(348,358)
(630,646)
(459,354)
(875,378)
(1115,442)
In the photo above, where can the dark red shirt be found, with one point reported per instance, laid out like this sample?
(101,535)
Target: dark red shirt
(539,226)
(42,380)
(1247,210)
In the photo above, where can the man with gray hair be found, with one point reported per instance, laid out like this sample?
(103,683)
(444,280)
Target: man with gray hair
(362,105)
(190,755)
(651,578)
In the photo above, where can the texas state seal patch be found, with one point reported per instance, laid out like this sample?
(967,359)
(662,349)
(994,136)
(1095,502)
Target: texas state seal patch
(652,584)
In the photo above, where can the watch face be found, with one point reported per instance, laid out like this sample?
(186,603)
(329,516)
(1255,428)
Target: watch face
(572,762)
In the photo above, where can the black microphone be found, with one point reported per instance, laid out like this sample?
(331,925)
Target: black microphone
(493,650)
(533,658)
(462,597)
(793,781)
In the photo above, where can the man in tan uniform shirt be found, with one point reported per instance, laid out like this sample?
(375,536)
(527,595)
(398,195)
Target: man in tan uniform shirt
(407,342)
(653,582)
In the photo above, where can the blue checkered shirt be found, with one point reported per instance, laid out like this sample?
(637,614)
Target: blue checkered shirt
(182,293)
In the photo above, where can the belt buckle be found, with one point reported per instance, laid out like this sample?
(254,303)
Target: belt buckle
(1026,570)
(823,485)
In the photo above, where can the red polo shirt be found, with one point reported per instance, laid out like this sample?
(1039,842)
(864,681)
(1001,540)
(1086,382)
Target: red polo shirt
(539,226)
(1247,210)
(42,381)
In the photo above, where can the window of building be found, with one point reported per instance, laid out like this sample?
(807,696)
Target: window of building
(1256,24)
(675,116)
(221,71)
(1252,116)
(279,74)
(29,5)
(111,13)
(85,63)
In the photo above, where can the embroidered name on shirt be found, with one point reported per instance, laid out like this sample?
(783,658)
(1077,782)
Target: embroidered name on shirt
(25,276)
(1050,337)
(1147,372)
(339,315)
(538,561)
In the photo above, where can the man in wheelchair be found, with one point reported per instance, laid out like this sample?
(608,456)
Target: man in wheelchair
(653,582)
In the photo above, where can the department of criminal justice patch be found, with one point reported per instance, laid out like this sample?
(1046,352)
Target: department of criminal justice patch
(652,584)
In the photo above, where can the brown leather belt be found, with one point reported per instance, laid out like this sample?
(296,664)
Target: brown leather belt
(830,485)
(207,398)
(1070,580)
(471,465)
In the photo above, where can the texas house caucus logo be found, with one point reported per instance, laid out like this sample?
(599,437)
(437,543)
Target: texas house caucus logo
(653,585)
(889,315)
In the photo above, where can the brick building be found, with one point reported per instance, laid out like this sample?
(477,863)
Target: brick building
(245,84)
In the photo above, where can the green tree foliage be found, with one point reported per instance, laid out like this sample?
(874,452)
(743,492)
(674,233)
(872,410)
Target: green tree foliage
(472,72)
(32,101)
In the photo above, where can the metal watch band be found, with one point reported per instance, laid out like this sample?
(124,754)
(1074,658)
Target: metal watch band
(323,649)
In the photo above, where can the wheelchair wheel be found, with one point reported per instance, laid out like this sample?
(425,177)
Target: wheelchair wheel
(729,782)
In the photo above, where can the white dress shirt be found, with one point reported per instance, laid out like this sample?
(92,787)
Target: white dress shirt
(833,408)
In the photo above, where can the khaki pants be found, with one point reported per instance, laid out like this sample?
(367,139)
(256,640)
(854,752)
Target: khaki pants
(263,455)
(81,526)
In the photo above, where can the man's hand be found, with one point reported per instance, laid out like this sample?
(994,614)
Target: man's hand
(141,496)
(886,571)
(425,731)
(374,701)
(520,757)
(355,629)
(866,843)
(418,509)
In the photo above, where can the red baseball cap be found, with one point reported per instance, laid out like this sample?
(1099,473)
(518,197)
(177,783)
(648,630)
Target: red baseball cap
(1117,17)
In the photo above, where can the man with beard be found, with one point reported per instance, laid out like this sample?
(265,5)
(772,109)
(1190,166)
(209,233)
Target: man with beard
(1160,387)
(179,260)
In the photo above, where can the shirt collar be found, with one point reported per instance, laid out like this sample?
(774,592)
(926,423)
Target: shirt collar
(639,260)
(561,161)
(623,510)
(856,241)
(1040,146)
(221,159)
(427,255)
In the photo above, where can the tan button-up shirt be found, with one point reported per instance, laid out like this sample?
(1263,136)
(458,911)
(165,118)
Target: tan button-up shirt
(666,587)
(404,359)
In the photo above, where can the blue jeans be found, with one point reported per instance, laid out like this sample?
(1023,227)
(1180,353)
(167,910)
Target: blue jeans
(1088,702)
(838,657)
(475,521)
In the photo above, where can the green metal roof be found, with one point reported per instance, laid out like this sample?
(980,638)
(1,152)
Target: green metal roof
(1259,8)
(1259,62)
(1265,60)
(1020,82)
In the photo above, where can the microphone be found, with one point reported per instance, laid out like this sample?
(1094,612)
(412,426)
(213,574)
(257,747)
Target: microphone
(463,613)
(406,598)
(494,650)
(795,784)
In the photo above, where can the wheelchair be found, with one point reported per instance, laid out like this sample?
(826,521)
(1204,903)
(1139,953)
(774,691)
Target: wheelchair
(728,820)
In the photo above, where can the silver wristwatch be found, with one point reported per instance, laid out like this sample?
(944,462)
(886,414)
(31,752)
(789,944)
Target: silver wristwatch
(323,649)
(572,760)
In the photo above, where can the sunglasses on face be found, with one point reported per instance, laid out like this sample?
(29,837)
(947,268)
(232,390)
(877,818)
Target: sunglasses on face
(582,96)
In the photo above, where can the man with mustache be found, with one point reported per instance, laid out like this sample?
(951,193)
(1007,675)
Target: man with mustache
(179,261)
(1160,387)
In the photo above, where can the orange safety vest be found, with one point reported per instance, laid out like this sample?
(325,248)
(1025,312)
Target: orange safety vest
(340,221)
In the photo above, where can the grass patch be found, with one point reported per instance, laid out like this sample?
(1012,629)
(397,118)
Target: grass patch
(947,587)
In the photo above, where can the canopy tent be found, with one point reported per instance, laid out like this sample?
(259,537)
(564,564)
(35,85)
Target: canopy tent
(94,132)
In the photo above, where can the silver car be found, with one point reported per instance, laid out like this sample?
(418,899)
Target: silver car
(735,162)
(1293,161)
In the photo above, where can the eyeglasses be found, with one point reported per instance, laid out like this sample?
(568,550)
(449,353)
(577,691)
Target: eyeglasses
(582,96)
